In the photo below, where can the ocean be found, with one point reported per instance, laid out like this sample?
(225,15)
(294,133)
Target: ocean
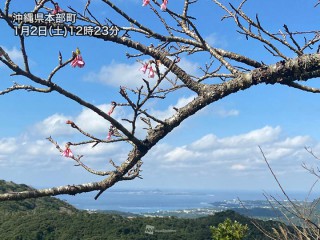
(149,201)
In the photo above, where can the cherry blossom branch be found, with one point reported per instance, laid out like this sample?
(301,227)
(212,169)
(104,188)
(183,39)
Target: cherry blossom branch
(60,66)
(96,142)
(292,38)
(7,60)
(40,5)
(54,191)
(195,34)
(84,18)
(73,125)
(311,42)
(303,87)
(55,87)
(6,7)
(78,160)
(134,172)
(168,28)
(17,86)
(151,91)
(24,54)
(259,27)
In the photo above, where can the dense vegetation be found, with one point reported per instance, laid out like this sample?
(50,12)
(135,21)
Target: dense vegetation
(45,203)
(83,225)
(229,230)
(50,218)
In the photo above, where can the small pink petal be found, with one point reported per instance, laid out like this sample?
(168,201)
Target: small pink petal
(109,135)
(151,72)
(57,9)
(145,3)
(73,63)
(67,153)
(164,5)
(144,68)
(78,62)
(111,110)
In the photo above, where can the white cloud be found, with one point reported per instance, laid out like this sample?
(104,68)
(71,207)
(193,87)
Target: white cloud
(14,53)
(8,145)
(119,74)
(25,153)
(87,120)
(129,74)
(170,111)
(180,154)
(32,153)
(294,142)
(253,138)
(98,150)
(226,113)
(33,148)
(215,40)
(40,148)
(189,67)
(278,153)
(92,122)
(239,167)
(205,142)
(209,158)
(53,125)
(236,153)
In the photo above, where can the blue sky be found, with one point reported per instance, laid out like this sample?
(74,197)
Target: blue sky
(215,149)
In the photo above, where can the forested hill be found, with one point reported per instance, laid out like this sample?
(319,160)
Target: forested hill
(50,218)
(45,203)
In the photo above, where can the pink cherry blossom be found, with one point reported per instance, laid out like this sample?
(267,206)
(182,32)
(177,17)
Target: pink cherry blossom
(145,3)
(113,106)
(151,72)
(78,61)
(67,152)
(144,68)
(57,9)
(164,5)
(109,135)
(111,132)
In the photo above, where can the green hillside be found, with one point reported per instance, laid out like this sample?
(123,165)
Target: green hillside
(40,204)
(82,225)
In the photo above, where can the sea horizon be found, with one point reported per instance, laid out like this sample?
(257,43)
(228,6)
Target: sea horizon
(142,201)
